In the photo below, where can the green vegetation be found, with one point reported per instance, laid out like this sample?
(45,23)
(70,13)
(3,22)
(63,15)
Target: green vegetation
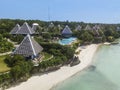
(5,46)
(62,55)
(110,38)
(20,70)
(88,37)
(19,67)
(58,50)
(46,56)
(50,63)
(3,65)
(46,36)
(17,38)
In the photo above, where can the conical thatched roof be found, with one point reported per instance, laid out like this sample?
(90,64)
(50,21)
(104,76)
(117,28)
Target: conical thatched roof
(15,29)
(25,29)
(66,30)
(96,30)
(88,27)
(96,27)
(78,28)
(28,47)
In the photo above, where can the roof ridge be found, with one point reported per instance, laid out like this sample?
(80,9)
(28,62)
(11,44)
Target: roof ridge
(28,27)
(19,28)
(31,44)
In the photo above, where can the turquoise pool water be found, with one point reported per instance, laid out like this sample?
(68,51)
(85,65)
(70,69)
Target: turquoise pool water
(106,75)
(67,41)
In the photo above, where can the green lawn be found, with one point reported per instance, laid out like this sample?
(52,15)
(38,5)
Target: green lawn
(46,56)
(3,66)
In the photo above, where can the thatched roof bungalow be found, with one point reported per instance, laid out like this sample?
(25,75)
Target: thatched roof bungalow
(15,29)
(88,27)
(24,29)
(28,48)
(67,32)
(78,28)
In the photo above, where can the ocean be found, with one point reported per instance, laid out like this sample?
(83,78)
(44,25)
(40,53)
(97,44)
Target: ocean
(103,74)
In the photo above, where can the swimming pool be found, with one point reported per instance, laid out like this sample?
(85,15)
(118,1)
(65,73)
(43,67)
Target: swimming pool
(67,41)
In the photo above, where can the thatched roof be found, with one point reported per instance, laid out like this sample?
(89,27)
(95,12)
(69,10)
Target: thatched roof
(96,27)
(88,27)
(78,28)
(66,30)
(28,47)
(25,29)
(15,29)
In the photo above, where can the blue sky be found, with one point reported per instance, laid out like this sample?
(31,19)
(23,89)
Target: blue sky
(101,11)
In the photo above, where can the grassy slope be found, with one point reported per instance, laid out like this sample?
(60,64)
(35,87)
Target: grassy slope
(46,56)
(3,66)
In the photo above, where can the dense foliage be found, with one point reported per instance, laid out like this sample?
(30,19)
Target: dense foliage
(17,38)
(5,46)
(104,35)
(58,50)
(62,54)
(19,67)
(20,70)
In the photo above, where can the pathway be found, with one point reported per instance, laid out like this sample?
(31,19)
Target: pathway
(2,54)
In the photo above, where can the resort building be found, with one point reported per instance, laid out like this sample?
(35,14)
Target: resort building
(118,28)
(24,29)
(59,27)
(15,29)
(96,27)
(29,48)
(35,26)
(51,25)
(96,32)
(88,27)
(78,28)
(66,32)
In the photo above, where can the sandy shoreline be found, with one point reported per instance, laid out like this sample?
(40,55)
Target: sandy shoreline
(47,81)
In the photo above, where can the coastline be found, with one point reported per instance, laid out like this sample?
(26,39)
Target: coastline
(49,80)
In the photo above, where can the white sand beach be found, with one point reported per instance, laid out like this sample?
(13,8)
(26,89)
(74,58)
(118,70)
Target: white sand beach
(107,43)
(47,81)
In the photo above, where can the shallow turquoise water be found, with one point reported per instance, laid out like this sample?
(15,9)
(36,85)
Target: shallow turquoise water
(106,75)
(67,41)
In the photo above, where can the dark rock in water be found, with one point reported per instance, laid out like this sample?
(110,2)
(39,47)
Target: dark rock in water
(92,68)
(75,61)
